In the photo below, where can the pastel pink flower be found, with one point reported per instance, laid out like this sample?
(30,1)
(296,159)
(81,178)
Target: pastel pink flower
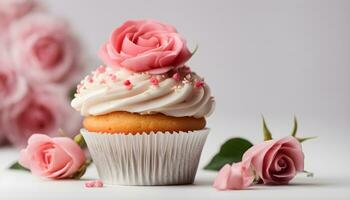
(236,177)
(44,50)
(54,158)
(276,161)
(11,10)
(44,109)
(13,86)
(145,46)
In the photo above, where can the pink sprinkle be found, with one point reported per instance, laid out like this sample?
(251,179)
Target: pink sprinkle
(187,69)
(98,183)
(113,77)
(89,184)
(176,76)
(89,79)
(128,84)
(154,80)
(199,84)
(79,86)
(94,183)
(103,81)
(101,69)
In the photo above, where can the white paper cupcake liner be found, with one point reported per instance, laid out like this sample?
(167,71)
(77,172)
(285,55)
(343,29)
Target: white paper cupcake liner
(160,158)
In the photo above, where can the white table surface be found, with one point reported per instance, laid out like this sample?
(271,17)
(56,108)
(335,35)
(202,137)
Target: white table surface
(22,185)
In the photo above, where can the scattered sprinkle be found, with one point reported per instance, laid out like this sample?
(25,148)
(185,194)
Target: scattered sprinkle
(113,77)
(79,86)
(199,84)
(93,184)
(128,84)
(186,69)
(154,80)
(101,69)
(176,76)
(89,79)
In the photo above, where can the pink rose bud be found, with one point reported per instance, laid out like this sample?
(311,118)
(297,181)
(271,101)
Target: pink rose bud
(50,53)
(54,158)
(145,45)
(276,161)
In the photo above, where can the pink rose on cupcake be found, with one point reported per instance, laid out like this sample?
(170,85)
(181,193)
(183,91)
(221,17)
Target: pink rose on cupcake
(44,49)
(42,110)
(274,162)
(54,158)
(11,10)
(13,87)
(145,46)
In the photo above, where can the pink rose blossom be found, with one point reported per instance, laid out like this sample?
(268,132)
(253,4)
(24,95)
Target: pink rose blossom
(44,109)
(11,10)
(44,50)
(236,177)
(13,86)
(276,161)
(54,158)
(145,45)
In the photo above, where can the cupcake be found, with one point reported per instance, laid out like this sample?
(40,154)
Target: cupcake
(144,110)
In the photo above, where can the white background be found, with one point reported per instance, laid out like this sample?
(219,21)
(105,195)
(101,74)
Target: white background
(272,57)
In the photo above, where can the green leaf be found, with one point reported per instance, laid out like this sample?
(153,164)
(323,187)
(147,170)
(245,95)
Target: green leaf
(230,152)
(267,133)
(308,174)
(295,127)
(195,50)
(72,92)
(17,166)
(305,138)
(79,139)
(82,169)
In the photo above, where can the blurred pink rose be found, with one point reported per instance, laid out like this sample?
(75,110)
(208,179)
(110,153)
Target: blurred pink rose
(54,158)
(44,109)
(276,161)
(145,45)
(236,177)
(13,87)
(11,10)
(43,49)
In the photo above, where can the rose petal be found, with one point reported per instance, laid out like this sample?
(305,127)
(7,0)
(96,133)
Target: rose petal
(76,154)
(131,48)
(24,159)
(241,176)
(222,180)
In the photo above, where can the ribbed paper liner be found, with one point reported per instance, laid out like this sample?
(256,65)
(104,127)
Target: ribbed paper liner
(160,158)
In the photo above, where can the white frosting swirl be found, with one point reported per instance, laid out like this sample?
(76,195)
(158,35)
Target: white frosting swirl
(107,90)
